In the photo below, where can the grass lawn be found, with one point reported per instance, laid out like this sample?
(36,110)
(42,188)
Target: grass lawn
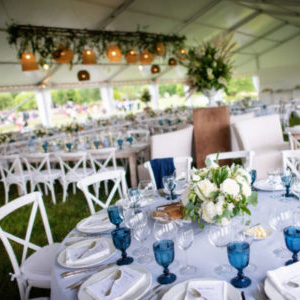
(63,217)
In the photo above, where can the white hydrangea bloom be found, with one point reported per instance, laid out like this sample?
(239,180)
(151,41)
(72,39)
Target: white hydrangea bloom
(195,177)
(206,187)
(209,211)
(230,207)
(246,190)
(245,174)
(230,187)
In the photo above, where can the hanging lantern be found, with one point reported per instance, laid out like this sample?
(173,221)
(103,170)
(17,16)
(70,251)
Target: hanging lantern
(172,62)
(89,57)
(63,55)
(132,57)
(29,62)
(160,49)
(182,54)
(146,57)
(83,75)
(155,69)
(114,53)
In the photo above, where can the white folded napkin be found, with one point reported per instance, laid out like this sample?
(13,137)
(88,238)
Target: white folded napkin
(208,289)
(99,250)
(281,276)
(99,222)
(129,279)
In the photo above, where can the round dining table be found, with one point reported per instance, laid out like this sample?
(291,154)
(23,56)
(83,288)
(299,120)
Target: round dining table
(202,254)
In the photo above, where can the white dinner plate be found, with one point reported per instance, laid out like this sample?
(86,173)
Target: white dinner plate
(61,258)
(271,291)
(263,185)
(136,293)
(96,229)
(177,292)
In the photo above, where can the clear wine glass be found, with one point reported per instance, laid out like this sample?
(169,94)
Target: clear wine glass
(185,239)
(170,184)
(146,189)
(281,218)
(220,237)
(134,196)
(286,179)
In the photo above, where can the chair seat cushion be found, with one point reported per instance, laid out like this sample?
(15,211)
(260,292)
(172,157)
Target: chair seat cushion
(37,268)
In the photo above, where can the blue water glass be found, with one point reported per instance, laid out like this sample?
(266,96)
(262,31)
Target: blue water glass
(115,214)
(169,122)
(130,140)
(33,137)
(96,144)
(45,146)
(69,146)
(106,143)
(253,175)
(292,241)
(161,122)
(238,256)
(134,196)
(122,238)
(164,256)
(286,180)
(120,143)
(170,184)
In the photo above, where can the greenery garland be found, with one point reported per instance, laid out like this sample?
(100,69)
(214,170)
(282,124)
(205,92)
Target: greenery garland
(45,40)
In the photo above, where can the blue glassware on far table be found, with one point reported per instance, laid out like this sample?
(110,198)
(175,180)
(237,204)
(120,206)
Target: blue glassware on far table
(115,214)
(120,143)
(45,146)
(96,144)
(122,238)
(253,175)
(170,184)
(238,256)
(292,241)
(164,256)
(69,146)
(130,140)
(134,196)
(286,179)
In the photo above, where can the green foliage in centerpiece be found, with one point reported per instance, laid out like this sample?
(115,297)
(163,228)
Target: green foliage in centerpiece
(130,117)
(217,194)
(146,96)
(209,65)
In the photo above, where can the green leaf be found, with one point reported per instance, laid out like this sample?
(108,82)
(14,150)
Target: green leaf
(252,199)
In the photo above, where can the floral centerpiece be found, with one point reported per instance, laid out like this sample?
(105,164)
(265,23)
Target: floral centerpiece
(146,97)
(4,138)
(209,67)
(130,117)
(217,194)
(41,132)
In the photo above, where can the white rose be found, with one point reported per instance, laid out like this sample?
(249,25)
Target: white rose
(224,221)
(240,179)
(209,211)
(230,206)
(196,177)
(245,174)
(230,187)
(219,208)
(206,187)
(246,190)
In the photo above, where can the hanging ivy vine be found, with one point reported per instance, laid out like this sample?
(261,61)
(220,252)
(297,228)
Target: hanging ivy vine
(43,41)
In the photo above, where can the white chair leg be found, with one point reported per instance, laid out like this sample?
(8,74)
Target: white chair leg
(74,188)
(105,187)
(45,189)
(27,293)
(52,190)
(6,189)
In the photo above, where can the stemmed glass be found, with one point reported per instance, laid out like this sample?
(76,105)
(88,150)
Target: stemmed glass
(253,175)
(286,179)
(115,214)
(130,140)
(292,241)
(164,256)
(122,238)
(170,184)
(146,189)
(96,144)
(69,146)
(279,220)
(134,196)
(45,146)
(120,143)
(221,236)
(238,256)
(185,239)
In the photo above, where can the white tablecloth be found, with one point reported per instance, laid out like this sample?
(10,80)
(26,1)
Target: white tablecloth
(201,254)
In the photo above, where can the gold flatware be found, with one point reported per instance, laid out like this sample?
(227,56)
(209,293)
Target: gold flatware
(90,247)
(116,276)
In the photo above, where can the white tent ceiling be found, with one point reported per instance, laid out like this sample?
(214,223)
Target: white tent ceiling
(268,35)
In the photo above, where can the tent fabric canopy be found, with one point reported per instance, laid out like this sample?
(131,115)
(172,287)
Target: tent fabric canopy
(267,36)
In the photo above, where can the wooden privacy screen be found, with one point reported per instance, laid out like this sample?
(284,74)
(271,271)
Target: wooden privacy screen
(211,132)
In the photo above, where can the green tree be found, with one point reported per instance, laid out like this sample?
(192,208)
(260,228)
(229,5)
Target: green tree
(6,100)
(179,90)
(167,88)
(237,85)
(117,94)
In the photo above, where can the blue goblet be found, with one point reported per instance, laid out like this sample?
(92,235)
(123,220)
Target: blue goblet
(122,238)
(164,256)
(69,146)
(286,179)
(115,214)
(130,140)
(170,184)
(238,256)
(45,146)
(120,143)
(292,241)
(253,174)
(161,122)
(96,144)
(169,122)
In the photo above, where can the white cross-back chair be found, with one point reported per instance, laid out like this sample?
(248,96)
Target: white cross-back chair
(246,156)
(35,270)
(39,165)
(12,172)
(291,160)
(182,166)
(116,176)
(294,143)
(74,167)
